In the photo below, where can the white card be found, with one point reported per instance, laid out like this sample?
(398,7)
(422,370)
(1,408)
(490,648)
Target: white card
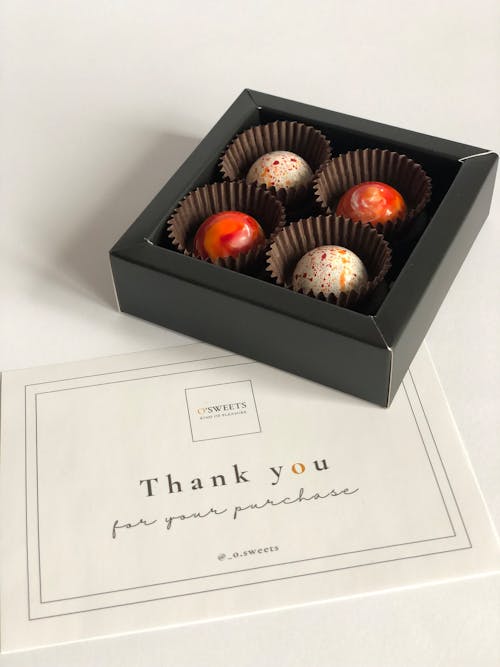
(188,484)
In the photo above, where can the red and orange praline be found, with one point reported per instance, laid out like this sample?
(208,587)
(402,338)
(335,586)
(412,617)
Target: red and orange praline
(372,201)
(227,234)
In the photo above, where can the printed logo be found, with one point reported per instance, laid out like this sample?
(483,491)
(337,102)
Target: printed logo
(222,410)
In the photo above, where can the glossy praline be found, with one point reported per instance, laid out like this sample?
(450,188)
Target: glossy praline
(329,269)
(280,169)
(227,234)
(372,201)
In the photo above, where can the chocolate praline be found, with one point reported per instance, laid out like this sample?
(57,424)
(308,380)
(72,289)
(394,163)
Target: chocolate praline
(329,269)
(227,234)
(372,201)
(280,169)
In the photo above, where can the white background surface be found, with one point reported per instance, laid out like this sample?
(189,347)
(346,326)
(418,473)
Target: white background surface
(100,103)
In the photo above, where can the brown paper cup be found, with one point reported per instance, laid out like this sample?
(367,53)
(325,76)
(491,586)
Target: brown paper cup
(294,241)
(282,135)
(203,202)
(374,164)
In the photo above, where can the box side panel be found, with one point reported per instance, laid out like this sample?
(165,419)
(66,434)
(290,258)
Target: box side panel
(257,291)
(412,304)
(385,134)
(259,333)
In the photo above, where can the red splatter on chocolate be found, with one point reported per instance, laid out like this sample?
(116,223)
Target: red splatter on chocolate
(304,275)
(323,256)
(292,159)
(276,162)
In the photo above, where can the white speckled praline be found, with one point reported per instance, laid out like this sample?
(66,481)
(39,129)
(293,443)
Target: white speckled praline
(329,269)
(280,169)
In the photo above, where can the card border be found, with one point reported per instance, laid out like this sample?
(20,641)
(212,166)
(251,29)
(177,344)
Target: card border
(109,606)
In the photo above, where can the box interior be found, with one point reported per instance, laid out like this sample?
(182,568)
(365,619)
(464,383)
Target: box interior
(441,169)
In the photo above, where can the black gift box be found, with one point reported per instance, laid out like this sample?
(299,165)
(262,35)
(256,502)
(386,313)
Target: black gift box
(365,353)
